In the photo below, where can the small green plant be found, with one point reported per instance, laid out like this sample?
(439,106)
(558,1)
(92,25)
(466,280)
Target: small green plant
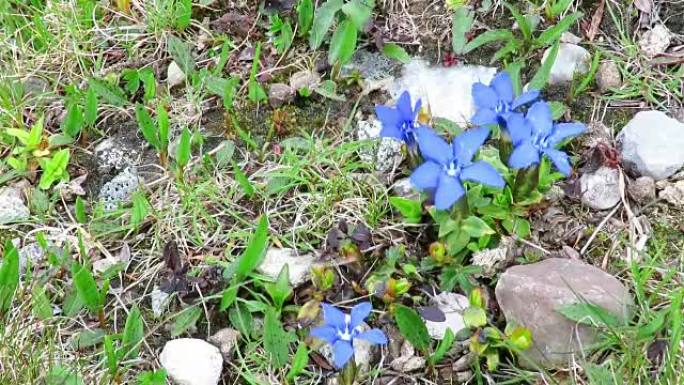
(158,377)
(9,276)
(255,92)
(281,33)
(156,134)
(183,152)
(412,327)
(31,147)
(54,169)
(92,296)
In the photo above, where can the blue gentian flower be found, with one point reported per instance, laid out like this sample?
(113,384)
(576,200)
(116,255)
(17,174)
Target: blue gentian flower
(342,330)
(399,122)
(446,167)
(535,134)
(497,101)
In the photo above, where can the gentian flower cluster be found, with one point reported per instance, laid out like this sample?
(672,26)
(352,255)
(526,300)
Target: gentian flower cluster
(400,122)
(496,102)
(342,330)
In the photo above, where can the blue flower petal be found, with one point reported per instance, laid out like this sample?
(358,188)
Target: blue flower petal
(518,128)
(432,147)
(466,144)
(392,132)
(560,160)
(404,106)
(359,313)
(524,155)
(448,192)
(342,352)
(416,108)
(326,333)
(333,316)
(562,131)
(374,336)
(503,86)
(484,96)
(483,117)
(539,116)
(426,176)
(525,98)
(391,122)
(483,172)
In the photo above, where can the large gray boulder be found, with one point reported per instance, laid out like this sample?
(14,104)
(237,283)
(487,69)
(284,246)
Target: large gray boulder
(652,144)
(531,295)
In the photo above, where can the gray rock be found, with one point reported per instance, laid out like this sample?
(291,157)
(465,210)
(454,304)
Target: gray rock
(608,76)
(387,154)
(491,259)
(304,79)
(159,301)
(601,189)
(191,361)
(569,37)
(571,59)
(643,189)
(405,189)
(447,91)
(113,155)
(299,266)
(31,254)
(407,361)
(674,194)
(452,305)
(13,209)
(376,69)
(531,295)
(225,340)
(655,41)
(651,145)
(174,75)
(279,94)
(120,189)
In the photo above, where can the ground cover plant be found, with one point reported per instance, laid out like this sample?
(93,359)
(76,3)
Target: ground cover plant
(343,192)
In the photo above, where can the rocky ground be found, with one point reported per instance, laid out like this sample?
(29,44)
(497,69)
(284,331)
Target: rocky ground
(280,134)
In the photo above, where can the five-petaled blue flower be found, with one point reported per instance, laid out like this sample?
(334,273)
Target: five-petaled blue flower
(342,330)
(446,167)
(535,134)
(497,101)
(399,122)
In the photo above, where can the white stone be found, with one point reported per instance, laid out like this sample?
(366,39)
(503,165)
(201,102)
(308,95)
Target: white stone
(652,144)
(119,189)
(387,154)
(304,79)
(674,194)
(452,305)
(191,361)
(571,59)
(299,266)
(655,41)
(600,190)
(404,188)
(491,259)
(174,75)
(446,92)
(12,206)
(159,300)
(569,37)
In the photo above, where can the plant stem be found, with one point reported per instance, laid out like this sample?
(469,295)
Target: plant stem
(460,210)
(101,318)
(505,146)
(348,373)
(526,181)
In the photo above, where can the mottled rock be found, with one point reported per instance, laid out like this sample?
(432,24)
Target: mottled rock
(674,194)
(113,155)
(120,189)
(655,41)
(31,254)
(387,155)
(531,296)
(225,340)
(35,87)
(651,145)
(304,79)
(608,76)
(600,189)
(452,305)
(376,69)
(492,259)
(407,361)
(13,208)
(191,361)
(174,75)
(405,189)
(642,189)
(569,37)
(448,91)
(279,94)
(159,301)
(299,266)
(571,59)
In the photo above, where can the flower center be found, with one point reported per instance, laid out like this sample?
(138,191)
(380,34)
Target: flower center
(501,107)
(452,168)
(346,334)
(540,141)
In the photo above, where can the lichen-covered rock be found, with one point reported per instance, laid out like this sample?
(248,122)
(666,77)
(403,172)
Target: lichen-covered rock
(492,259)
(643,189)
(608,76)
(674,194)
(225,339)
(113,155)
(532,295)
(120,189)
(655,41)
(304,79)
(387,154)
(191,361)
(600,189)
(571,59)
(299,266)
(12,206)
(405,189)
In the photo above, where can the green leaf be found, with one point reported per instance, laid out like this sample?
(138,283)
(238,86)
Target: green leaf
(504,51)
(276,340)
(676,325)
(443,347)
(554,33)
(111,358)
(599,375)
(358,12)
(149,83)
(87,289)
(488,37)
(241,319)
(299,362)
(589,77)
(557,109)
(73,121)
(513,70)
(158,377)
(180,52)
(147,126)
(185,320)
(652,327)
(540,79)
(325,15)
(133,335)
(111,94)
(328,89)
(305,15)
(87,338)
(183,148)
(40,304)
(60,375)
(140,208)
(9,276)
(559,6)
(520,338)
(183,14)
(255,251)
(55,169)
(162,127)
(476,227)
(242,179)
(280,290)
(522,21)
(474,317)
(228,297)
(411,210)
(461,25)
(412,327)
(590,314)
(90,113)
(492,360)
(396,52)
(343,43)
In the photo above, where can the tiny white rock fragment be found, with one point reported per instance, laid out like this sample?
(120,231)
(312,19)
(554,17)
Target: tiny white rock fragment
(174,75)
(299,266)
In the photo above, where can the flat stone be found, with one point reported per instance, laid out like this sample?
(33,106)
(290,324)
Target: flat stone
(600,189)
(387,155)
(643,189)
(120,189)
(571,59)
(608,76)
(304,79)
(13,208)
(299,266)
(279,94)
(174,75)
(113,155)
(446,91)
(531,295)
(225,340)
(452,305)
(674,194)
(490,260)
(191,361)
(651,144)
(407,361)
(655,41)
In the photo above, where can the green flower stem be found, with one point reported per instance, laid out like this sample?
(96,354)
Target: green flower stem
(460,210)
(526,181)
(505,146)
(348,373)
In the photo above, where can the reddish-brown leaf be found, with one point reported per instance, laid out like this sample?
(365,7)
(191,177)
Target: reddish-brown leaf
(596,19)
